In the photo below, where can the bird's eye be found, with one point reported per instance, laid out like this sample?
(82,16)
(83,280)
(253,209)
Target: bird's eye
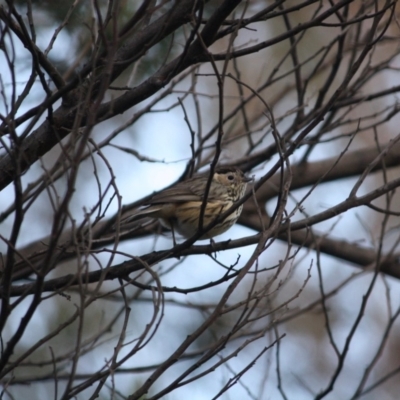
(231,177)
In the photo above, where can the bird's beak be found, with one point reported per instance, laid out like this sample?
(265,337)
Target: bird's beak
(247,179)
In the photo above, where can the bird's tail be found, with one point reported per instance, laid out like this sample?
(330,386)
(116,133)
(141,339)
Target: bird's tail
(148,212)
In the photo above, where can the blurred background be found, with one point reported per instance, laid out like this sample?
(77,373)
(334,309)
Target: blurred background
(307,320)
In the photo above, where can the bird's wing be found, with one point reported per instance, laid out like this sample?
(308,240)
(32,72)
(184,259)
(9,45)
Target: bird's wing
(177,194)
(182,192)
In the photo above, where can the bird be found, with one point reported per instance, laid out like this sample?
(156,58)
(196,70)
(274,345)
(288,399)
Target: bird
(178,207)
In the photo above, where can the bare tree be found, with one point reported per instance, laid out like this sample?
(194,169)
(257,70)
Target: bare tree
(104,102)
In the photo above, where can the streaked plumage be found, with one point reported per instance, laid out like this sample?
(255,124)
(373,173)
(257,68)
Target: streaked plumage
(178,207)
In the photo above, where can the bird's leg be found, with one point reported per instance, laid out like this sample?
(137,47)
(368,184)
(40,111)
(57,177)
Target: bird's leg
(212,244)
(173,234)
(173,237)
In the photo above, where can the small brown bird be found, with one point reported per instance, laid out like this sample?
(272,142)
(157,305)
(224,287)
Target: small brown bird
(178,207)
